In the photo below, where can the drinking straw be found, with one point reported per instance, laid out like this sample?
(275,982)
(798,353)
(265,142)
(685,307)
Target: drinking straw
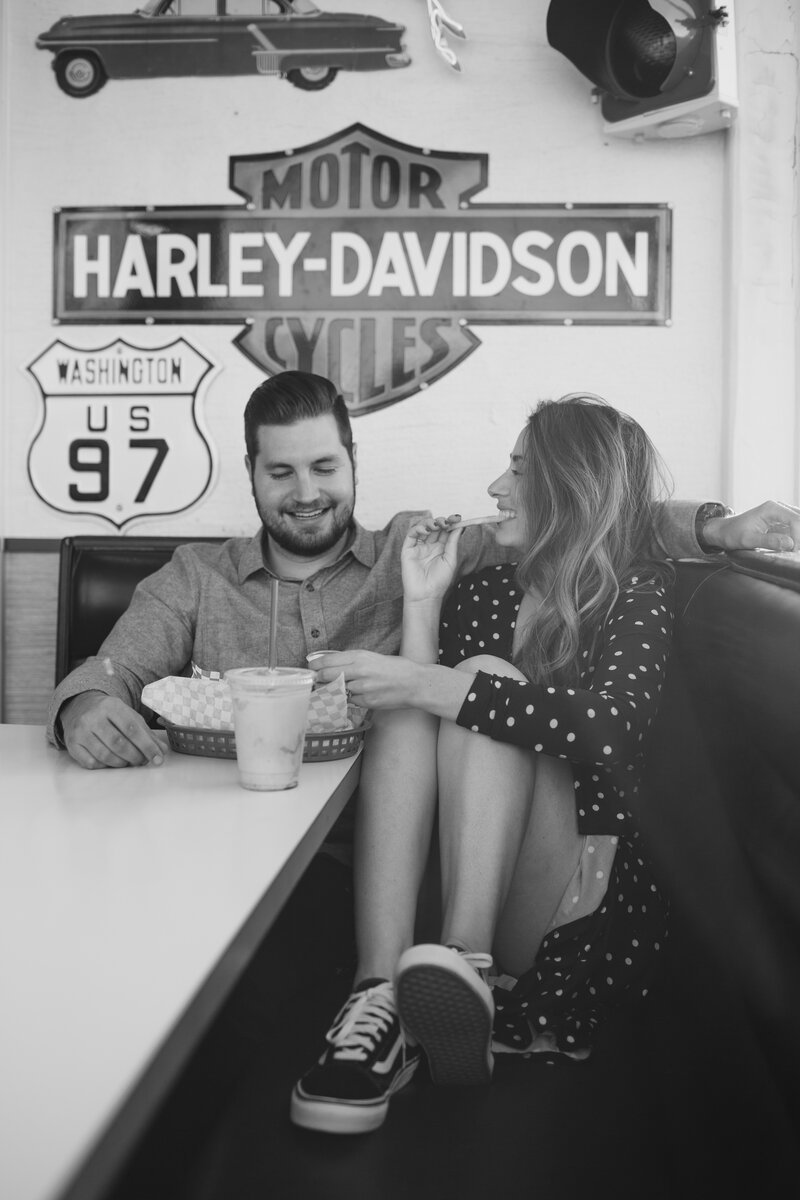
(273,624)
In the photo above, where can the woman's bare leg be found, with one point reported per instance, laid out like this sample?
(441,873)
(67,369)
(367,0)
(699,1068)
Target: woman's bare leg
(394,821)
(547,861)
(509,839)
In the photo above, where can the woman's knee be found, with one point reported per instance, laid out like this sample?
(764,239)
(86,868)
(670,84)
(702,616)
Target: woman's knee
(491,665)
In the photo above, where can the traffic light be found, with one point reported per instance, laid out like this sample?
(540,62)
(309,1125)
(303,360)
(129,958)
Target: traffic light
(661,68)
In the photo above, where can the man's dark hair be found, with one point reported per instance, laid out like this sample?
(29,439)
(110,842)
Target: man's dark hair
(293,396)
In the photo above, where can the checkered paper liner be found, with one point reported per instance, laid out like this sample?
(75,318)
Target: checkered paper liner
(204,702)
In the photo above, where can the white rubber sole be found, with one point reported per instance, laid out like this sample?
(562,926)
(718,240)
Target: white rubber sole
(445,1006)
(346,1116)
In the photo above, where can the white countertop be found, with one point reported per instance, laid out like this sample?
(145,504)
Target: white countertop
(130,901)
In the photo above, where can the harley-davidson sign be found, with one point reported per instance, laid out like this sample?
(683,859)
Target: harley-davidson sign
(363,259)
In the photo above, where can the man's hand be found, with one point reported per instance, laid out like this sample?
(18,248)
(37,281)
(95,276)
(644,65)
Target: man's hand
(104,731)
(771,526)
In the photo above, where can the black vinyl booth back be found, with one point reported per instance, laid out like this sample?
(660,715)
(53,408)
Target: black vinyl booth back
(97,577)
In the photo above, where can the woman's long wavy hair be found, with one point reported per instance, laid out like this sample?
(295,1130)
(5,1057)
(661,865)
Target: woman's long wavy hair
(592,483)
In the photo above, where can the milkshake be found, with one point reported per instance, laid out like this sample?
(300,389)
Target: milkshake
(270,709)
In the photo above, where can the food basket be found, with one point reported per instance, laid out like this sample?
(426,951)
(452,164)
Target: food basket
(319,747)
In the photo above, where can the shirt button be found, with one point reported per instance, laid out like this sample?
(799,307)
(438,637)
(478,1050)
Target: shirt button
(309,587)
(315,633)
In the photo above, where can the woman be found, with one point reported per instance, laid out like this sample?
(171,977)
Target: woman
(518,711)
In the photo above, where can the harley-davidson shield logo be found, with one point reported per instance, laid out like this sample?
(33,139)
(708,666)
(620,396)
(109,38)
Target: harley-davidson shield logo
(366,260)
(113,419)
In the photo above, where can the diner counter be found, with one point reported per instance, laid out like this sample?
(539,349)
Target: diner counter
(130,902)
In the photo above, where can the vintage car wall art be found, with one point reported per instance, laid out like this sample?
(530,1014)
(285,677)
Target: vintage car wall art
(289,38)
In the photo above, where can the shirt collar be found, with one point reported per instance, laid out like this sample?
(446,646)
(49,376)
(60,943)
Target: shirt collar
(252,559)
(361,545)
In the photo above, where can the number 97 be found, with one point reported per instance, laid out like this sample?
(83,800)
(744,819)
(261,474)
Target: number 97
(98,464)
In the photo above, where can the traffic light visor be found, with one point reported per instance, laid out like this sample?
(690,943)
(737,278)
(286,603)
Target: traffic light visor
(632,49)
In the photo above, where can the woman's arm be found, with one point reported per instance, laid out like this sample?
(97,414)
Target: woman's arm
(390,681)
(420,637)
(413,679)
(603,721)
(429,559)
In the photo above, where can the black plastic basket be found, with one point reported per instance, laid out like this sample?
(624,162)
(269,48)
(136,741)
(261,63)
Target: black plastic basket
(221,743)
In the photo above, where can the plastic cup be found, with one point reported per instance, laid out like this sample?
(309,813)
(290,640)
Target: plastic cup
(270,708)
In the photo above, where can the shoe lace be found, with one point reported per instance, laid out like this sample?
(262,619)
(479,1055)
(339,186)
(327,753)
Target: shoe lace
(480,962)
(365,1018)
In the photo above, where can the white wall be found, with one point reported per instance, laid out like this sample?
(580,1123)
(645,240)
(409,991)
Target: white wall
(761,429)
(167,142)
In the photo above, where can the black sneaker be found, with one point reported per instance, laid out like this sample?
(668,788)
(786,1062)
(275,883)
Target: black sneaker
(446,1005)
(367,1060)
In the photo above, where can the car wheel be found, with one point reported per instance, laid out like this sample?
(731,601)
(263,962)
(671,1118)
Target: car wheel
(312,79)
(79,73)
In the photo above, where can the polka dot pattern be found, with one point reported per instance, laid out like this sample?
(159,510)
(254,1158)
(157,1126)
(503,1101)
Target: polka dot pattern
(600,726)
(586,967)
(589,964)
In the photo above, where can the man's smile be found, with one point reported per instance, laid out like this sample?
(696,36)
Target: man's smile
(308,514)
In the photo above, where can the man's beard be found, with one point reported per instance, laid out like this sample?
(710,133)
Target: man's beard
(313,541)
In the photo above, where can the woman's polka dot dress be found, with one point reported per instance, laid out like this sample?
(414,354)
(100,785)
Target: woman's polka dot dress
(588,965)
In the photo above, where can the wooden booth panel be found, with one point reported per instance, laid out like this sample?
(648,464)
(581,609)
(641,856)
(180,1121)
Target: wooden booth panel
(30,604)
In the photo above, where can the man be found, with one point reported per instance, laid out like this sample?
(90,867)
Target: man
(340,583)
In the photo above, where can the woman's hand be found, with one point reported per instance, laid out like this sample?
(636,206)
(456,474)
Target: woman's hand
(373,680)
(428,558)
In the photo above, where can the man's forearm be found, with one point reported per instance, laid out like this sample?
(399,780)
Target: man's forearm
(89,678)
(686,528)
(676,529)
